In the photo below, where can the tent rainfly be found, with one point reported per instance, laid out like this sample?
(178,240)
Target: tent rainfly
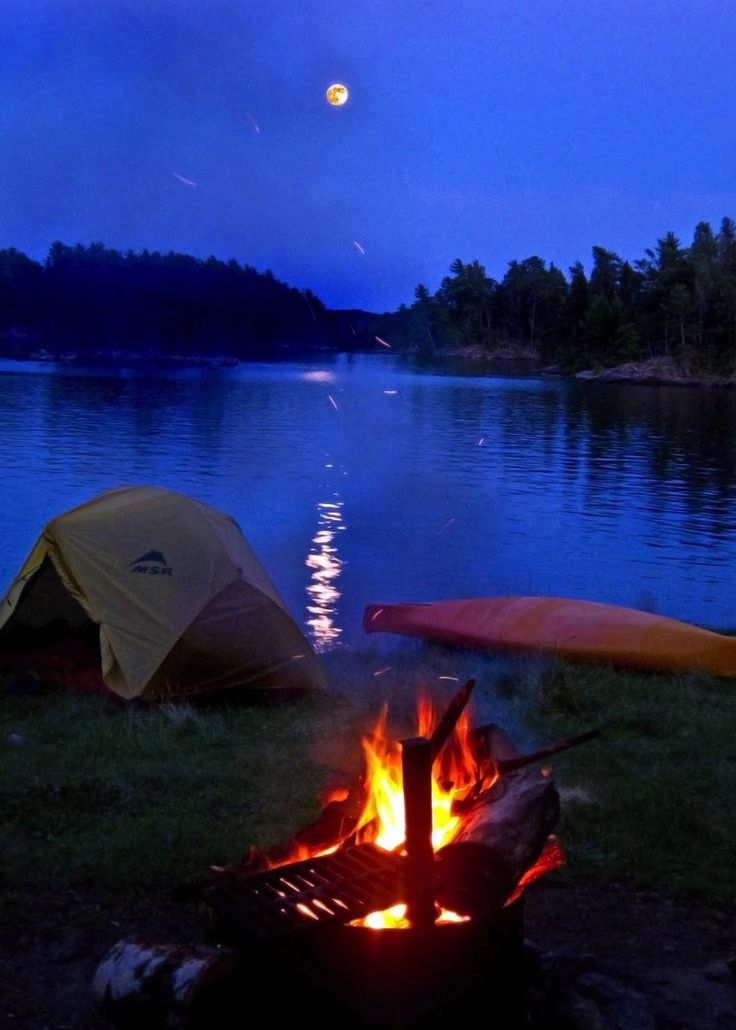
(182,603)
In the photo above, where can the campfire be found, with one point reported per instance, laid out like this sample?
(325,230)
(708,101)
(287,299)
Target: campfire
(418,860)
(448,785)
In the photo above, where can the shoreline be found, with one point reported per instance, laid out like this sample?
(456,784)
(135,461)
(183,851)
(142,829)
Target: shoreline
(656,371)
(660,371)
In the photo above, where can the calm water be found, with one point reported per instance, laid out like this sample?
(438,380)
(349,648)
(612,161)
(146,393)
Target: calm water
(364,479)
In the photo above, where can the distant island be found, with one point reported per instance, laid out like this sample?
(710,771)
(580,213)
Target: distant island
(669,316)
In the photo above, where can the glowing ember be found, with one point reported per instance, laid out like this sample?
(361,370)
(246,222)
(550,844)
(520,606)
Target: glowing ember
(552,857)
(396,919)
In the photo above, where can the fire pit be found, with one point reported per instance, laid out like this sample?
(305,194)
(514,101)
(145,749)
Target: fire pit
(400,907)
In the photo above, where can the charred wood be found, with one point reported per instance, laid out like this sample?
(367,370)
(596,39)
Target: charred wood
(502,836)
(449,720)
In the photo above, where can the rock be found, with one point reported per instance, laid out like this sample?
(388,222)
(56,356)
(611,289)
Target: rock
(584,1014)
(567,963)
(621,1007)
(720,972)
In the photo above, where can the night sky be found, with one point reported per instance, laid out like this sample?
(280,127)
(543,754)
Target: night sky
(489,129)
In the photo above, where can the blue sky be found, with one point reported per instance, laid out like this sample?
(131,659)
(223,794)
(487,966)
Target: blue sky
(485,129)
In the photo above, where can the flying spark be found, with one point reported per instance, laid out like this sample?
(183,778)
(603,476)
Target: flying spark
(332,402)
(453,678)
(187,182)
(380,672)
(383,342)
(252,121)
(311,309)
(358,247)
(480,442)
(376,614)
(448,523)
(390,393)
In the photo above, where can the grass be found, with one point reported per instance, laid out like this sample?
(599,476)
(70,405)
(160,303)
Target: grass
(652,801)
(128,798)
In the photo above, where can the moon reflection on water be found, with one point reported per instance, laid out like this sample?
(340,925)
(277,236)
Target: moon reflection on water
(326,567)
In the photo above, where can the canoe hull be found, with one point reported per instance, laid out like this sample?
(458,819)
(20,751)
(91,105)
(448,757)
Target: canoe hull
(581,631)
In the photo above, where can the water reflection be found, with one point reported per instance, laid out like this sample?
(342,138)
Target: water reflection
(608,492)
(318,375)
(326,566)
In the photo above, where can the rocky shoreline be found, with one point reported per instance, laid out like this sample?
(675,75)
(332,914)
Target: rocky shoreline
(659,371)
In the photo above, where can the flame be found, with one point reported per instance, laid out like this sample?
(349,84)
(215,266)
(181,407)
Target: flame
(382,820)
(456,775)
(552,857)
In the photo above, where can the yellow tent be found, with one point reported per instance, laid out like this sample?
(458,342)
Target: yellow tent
(181,601)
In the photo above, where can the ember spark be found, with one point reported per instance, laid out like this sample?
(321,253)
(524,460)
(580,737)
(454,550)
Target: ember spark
(187,182)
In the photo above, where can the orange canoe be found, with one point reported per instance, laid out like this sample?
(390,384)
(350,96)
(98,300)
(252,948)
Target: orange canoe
(581,631)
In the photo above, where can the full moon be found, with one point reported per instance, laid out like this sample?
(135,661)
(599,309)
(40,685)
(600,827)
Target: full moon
(337,94)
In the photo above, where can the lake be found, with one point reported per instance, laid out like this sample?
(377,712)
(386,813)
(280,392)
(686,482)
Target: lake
(367,478)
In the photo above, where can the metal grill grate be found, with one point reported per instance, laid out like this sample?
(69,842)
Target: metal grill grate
(306,895)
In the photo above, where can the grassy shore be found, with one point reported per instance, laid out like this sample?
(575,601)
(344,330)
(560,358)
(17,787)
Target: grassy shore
(92,793)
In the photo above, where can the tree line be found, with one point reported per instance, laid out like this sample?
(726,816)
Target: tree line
(94,299)
(678,301)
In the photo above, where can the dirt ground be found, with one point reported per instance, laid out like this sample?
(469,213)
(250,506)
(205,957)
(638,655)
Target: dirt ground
(676,955)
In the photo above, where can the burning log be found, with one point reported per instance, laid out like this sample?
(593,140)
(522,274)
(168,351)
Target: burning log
(500,839)
(503,831)
(449,720)
(514,819)
(335,826)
